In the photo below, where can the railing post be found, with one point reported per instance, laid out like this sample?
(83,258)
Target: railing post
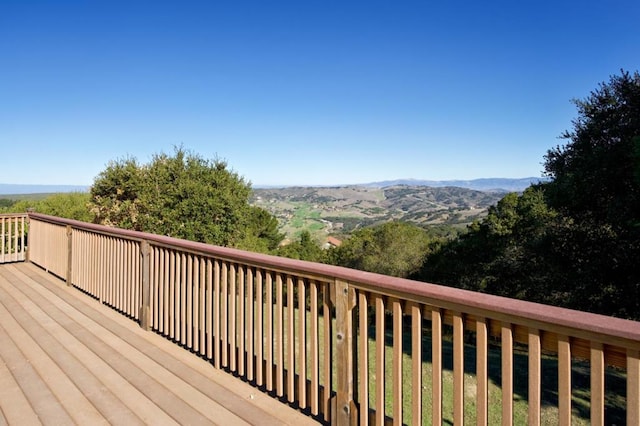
(145,309)
(344,411)
(25,240)
(69,254)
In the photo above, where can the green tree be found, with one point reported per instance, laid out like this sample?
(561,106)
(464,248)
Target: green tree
(6,203)
(70,205)
(393,248)
(596,174)
(183,196)
(303,249)
(115,194)
(262,234)
(596,185)
(574,241)
(507,253)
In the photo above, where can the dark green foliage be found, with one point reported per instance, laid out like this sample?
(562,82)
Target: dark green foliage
(70,205)
(505,254)
(596,185)
(183,196)
(115,194)
(262,233)
(597,173)
(393,248)
(6,203)
(574,241)
(304,249)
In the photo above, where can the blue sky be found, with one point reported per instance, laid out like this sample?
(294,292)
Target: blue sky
(302,92)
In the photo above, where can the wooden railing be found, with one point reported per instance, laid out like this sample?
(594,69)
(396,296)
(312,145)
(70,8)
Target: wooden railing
(353,347)
(12,237)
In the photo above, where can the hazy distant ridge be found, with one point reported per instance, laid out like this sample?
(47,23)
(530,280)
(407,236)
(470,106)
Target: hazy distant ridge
(12,189)
(484,184)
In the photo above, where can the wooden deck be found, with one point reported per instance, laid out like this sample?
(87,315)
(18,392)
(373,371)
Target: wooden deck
(67,359)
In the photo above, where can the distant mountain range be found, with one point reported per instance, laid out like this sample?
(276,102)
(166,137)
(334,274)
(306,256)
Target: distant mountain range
(485,184)
(15,189)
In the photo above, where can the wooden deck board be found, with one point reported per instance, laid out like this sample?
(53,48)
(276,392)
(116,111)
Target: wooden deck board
(66,358)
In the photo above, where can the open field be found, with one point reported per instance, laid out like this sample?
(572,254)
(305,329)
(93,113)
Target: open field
(580,379)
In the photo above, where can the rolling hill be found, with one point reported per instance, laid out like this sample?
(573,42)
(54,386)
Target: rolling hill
(340,210)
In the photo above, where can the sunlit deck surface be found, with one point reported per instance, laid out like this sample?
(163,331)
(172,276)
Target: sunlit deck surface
(67,359)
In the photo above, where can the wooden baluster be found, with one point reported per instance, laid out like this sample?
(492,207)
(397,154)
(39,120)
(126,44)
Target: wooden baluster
(535,378)
(363,357)
(328,351)
(482,372)
(224,296)
(189,285)
(597,384)
(458,369)
(416,363)
(241,319)
(218,304)
(279,337)
(250,322)
(380,360)
(290,342)
(270,327)
(314,348)
(436,365)
(233,315)
(564,380)
(633,387)
(212,308)
(302,344)
(397,361)
(507,374)
(259,328)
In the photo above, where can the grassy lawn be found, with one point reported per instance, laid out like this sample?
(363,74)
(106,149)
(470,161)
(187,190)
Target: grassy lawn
(615,383)
(580,380)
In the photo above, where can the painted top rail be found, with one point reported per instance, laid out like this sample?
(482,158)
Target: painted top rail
(496,307)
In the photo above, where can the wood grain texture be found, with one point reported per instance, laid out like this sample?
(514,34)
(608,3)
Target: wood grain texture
(66,358)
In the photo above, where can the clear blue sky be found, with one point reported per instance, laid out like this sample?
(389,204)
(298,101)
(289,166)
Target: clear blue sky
(302,92)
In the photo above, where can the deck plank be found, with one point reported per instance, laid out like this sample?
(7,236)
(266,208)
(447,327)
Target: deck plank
(40,397)
(79,408)
(82,366)
(14,406)
(71,359)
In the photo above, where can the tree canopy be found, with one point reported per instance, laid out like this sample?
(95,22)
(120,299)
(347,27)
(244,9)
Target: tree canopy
(70,205)
(574,241)
(392,248)
(596,173)
(305,248)
(184,196)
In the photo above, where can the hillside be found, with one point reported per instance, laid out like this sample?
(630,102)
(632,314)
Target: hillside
(340,210)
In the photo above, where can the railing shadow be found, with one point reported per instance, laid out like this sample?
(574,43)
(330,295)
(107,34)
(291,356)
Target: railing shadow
(615,379)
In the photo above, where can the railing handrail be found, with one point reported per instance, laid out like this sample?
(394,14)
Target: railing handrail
(14,214)
(481,304)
